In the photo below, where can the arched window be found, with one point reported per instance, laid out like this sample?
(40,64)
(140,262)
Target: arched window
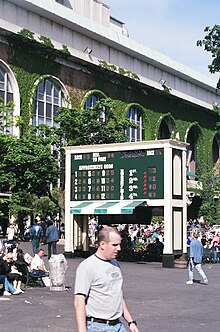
(6,96)
(165,130)
(48,98)
(216,154)
(192,139)
(134,134)
(90,103)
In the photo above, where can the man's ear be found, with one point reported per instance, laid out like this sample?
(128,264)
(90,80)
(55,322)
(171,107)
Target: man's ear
(102,245)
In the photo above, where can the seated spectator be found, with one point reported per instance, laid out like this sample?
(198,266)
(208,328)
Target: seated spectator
(155,249)
(21,264)
(203,240)
(8,289)
(38,268)
(215,251)
(12,273)
(208,244)
(159,245)
(62,231)
(216,238)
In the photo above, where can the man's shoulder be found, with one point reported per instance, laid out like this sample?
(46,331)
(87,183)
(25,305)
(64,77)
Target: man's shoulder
(196,243)
(88,262)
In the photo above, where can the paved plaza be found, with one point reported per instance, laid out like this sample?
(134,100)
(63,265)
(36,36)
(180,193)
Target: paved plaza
(158,298)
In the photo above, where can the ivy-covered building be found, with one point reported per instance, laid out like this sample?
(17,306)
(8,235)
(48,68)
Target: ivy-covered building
(72,52)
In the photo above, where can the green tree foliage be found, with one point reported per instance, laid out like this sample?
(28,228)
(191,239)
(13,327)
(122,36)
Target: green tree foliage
(30,164)
(45,206)
(27,170)
(210,195)
(99,125)
(211,43)
(6,116)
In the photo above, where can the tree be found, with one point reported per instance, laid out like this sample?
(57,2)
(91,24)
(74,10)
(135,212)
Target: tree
(6,116)
(99,125)
(210,196)
(31,165)
(211,43)
(27,170)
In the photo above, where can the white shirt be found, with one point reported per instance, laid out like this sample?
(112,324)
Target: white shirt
(36,262)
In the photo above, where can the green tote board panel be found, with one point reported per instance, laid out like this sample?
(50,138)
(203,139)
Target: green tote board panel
(118,175)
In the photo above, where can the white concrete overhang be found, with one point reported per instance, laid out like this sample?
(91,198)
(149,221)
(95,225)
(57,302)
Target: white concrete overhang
(64,16)
(67,17)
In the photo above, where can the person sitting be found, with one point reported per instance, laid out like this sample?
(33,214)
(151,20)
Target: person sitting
(8,289)
(215,251)
(208,244)
(62,230)
(12,273)
(21,264)
(38,268)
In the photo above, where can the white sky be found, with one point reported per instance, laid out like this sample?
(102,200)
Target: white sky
(171,27)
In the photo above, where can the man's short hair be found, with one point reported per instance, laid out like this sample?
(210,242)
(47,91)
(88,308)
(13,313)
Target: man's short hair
(103,234)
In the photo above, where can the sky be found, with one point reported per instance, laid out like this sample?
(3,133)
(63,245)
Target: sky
(171,27)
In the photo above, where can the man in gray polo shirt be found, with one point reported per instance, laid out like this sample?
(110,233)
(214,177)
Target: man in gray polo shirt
(99,302)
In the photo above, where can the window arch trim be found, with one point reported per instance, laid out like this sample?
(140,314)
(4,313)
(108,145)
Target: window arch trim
(55,81)
(88,94)
(16,94)
(135,134)
(166,117)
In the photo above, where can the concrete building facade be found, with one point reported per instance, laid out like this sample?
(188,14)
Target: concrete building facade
(72,52)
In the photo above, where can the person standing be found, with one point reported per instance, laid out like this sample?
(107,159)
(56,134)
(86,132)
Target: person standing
(195,260)
(99,302)
(36,233)
(52,236)
(11,232)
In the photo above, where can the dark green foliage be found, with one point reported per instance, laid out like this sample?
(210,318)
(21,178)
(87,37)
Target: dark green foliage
(46,41)
(26,34)
(83,126)
(211,43)
(210,195)
(27,170)
(65,50)
(28,165)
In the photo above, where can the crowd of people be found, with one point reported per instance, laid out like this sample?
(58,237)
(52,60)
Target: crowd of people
(139,242)
(15,265)
(209,236)
(146,242)
(142,242)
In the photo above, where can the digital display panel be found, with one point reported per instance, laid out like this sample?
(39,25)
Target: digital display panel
(118,175)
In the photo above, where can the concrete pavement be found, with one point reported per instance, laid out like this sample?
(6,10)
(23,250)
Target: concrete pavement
(158,298)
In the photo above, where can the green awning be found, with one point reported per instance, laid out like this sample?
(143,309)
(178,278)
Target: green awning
(188,173)
(104,207)
(129,208)
(77,209)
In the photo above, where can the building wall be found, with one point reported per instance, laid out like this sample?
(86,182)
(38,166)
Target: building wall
(81,24)
(86,23)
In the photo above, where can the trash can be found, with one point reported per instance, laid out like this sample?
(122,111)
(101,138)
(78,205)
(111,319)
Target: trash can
(57,268)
